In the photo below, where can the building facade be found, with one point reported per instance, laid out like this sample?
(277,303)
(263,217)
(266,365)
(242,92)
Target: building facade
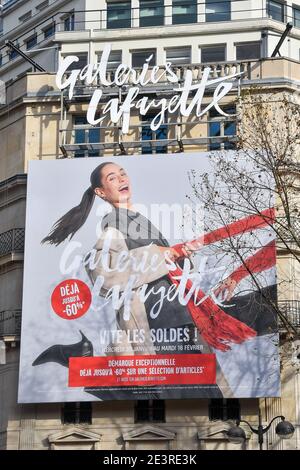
(38,121)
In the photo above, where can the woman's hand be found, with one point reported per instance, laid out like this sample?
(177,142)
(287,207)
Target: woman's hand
(171,253)
(226,289)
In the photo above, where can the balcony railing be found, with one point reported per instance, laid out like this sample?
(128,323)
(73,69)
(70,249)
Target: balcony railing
(12,241)
(126,17)
(10,323)
(290,233)
(290,310)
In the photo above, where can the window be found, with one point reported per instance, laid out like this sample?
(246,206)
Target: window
(217,10)
(42,5)
(296,17)
(85,134)
(221,130)
(31,42)
(149,135)
(221,409)
(276,10)
(184,11)
(49,31)
(118,15)
(138,58)
(150,411)
(83,57)
(69,22)
(178,55)
(248,50)
(77,413)
(1,59)
(25,17)
(151,12)
(213,53)
(12,53)
(114,59)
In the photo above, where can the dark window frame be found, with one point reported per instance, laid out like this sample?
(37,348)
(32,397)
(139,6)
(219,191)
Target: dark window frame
(49,30)
(221,127)
(152,20)
(28,41)
(12,54)
(71,19)
(84,133)
(147,52)
(178,63)
(185,18)
(213,46)
(222,409)
(283,7)
(216,17)
(119,23)
(248,43)
(150,411)
(294,9)
(147,134)
(77,413)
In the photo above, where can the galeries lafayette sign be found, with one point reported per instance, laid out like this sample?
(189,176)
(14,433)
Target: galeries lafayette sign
(187,97)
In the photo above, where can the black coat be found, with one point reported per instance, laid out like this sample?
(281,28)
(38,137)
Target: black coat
(139,231)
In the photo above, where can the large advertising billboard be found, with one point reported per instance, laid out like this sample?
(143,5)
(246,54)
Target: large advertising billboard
(132,290)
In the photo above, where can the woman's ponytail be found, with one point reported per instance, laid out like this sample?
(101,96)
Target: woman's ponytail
(69,223)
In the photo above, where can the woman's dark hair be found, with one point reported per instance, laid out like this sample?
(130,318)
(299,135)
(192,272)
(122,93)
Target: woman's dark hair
(71,222)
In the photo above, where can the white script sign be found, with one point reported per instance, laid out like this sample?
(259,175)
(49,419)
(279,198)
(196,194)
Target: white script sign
(187,97)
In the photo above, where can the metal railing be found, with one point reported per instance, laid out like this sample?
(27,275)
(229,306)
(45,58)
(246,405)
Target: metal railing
(141,137)
(12,241)
(10,323)
(101,19)
(290,310)
(247,69)
(289,232)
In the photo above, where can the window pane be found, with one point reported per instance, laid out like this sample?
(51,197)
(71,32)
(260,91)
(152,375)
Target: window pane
(142,411)
(296,16)
(151,12)
(31,42)
(88,135)
(222,409)
(147,134)
(229,130)
(179,55)
(218,10)
(220,127)
(69,413)
(119,15)
(13,54)
(85,412)
(138,58)
(49,31)
(114,59)
(82,56)
(69,23)
(184,11)
(276,10)
(233,409)
(77,412)
(213,54)
(250,50)
(214,131)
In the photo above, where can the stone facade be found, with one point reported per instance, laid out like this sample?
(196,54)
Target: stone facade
(32,127)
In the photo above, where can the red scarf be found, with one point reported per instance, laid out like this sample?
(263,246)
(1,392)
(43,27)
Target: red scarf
(218,328)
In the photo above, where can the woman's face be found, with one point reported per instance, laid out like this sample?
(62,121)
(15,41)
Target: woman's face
(116,187)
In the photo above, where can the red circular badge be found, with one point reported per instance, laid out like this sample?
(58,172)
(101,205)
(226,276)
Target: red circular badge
(71,299)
